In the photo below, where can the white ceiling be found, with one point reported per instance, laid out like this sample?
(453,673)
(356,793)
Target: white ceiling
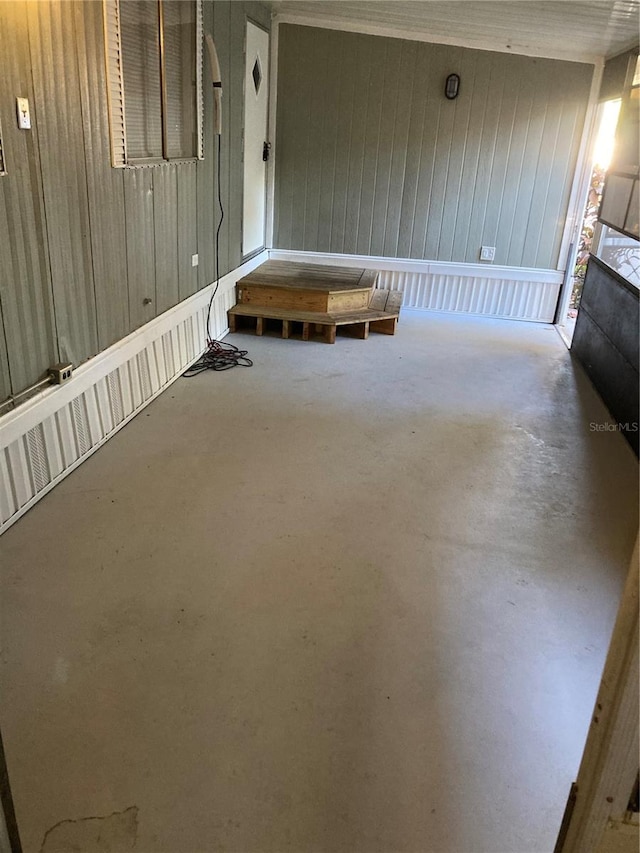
(581,30)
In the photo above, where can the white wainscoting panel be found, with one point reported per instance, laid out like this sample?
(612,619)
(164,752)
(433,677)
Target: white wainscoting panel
(45,438)
(511,293)
(475,294)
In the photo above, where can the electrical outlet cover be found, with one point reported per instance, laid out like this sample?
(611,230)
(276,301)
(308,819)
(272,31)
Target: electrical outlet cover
(487,253)
(24,116)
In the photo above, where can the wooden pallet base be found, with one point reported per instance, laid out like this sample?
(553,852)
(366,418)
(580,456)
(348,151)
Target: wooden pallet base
(306,330)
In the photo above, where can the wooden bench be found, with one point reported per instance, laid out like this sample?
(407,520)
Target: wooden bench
(380,315)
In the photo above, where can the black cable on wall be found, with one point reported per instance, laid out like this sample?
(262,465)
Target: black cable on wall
(218,355)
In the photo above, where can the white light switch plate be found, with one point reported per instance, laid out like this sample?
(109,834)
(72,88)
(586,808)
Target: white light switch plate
(24,116)
(194,260)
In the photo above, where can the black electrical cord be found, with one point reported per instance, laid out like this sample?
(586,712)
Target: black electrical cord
(218,355)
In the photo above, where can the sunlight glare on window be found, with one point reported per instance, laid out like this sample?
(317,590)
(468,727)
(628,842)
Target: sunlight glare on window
(605,139)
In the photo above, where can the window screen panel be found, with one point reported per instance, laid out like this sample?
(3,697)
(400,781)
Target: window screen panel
(627,145)
(621,253)
(179,18)
(615,200)
(139,28)
(632,222)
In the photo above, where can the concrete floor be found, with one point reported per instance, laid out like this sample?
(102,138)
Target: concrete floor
(356,598)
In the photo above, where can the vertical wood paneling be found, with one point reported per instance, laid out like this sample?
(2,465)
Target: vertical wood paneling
(443,141)
(221,28)
(105,184)
(165,225)
(317,133)
(560,172)
(478,226)
(335,212)
(5,378)
(400,151)
(391,90)
(463,134)
(287,131)
(531,153)
(58,113)
(140,245)
(496,186)
(377,61)
(87,244)
(327,161)
(470,165)
(401,171)
(415,174)
(361,48)
(187,230)
(27,340)
(429,131)
(299,163)
(514,163)
(204,174)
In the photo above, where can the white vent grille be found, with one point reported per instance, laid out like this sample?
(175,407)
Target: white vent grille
(81,425)
(144,374)
(115,397)
(38,458)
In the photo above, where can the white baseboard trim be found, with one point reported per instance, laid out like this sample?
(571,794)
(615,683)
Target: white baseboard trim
(511,293)
(48,436)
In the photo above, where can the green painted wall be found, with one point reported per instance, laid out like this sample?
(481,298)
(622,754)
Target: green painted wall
(372,159)
(85,244)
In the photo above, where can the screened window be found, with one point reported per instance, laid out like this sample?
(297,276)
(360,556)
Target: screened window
(621,253)
(620,198)
(154,53)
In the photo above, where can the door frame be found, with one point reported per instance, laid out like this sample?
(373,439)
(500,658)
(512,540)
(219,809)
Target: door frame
(568,252)
(598,799)
(249,19)
(272,127)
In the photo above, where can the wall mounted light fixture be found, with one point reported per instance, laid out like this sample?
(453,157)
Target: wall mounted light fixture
(452,87)
(216,80)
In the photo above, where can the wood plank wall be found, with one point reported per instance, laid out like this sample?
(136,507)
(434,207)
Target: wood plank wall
(85,245)
(372,159)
